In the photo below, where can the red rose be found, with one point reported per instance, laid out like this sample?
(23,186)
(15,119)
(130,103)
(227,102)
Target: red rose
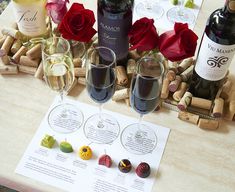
(143,35)
(77,24)
(56,9)
(179,43)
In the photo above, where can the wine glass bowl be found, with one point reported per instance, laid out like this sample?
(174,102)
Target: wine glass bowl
(100,85)
(149,9)
(181,14)
(59,76)
(138,138)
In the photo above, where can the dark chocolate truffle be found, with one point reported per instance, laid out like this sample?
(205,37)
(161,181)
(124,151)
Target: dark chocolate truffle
(143,170)
(124,165)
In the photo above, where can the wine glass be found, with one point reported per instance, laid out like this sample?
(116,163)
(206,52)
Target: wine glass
(138,138)
(100,85)
(59,75)
(149,9)
(181,14)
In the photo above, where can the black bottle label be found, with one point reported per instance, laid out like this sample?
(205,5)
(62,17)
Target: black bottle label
(113,32)
(213,59)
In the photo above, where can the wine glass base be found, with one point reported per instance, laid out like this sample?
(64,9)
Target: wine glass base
(65,118)
(101,128)
(154,11)
(138,139)
(179,15)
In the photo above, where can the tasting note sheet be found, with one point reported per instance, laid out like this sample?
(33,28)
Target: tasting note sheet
(70,173)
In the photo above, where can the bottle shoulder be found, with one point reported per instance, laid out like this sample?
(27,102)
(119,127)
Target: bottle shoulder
(221,27)
(115,6)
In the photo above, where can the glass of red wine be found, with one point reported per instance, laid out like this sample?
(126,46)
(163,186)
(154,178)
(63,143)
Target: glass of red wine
(100,85)
(138,138)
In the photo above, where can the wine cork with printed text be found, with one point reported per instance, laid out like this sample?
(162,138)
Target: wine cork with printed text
(189,117)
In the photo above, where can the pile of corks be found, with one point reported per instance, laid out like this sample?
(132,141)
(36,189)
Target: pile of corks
(16,57)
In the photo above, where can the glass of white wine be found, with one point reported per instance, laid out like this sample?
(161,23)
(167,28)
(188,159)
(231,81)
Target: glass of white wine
(59,75)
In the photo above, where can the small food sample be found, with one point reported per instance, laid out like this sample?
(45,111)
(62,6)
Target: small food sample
(85,152)
(48,141)
(189,4)
(105,160)
(174,2)
(143,170)
(125,166)
(66,147)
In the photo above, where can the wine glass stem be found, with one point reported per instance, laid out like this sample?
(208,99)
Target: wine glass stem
(140,121)
(61,96)
(148,4)
(181,8)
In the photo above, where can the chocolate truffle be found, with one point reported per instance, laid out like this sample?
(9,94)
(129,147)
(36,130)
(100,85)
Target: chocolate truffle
(124,166)
(105,160)
(143,170)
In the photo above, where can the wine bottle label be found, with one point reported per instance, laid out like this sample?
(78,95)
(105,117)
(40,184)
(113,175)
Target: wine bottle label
(31,18)
(113,32)
(213,59)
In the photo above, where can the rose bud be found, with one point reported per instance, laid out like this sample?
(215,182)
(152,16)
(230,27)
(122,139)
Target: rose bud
(77,24)
(179,43)
(56,9)
(143,35)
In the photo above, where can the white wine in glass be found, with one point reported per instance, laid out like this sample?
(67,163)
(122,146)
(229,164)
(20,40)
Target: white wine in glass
(59,75)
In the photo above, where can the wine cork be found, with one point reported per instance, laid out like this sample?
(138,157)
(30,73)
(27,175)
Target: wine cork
(40,72)
(5,59)
(78,49)
(232,106)
(171,75)
(27,69)
(75,82)
(122,78)
(226,89)
(165,89)
(131,66)
(11,32)
(232,96)
(16,46)
(180,91)
(2,39)
(187,73)
(201,103)
(26,61)
(6,46)
(18,54)
(77,62)
(134,55)
(80,72)
(173,86)
(189,117)
(94,59)
(8,70)
(121,94)
(208,124)
(218,107)
(89,52)
(127,101)
(185,101)
(82,80)
(173,66)
(35,52)
(171,101)
(185,64)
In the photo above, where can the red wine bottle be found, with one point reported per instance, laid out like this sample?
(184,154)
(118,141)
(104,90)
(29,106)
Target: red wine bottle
(216,52)
(114,22)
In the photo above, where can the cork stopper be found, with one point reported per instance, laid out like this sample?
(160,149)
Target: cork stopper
(231,5)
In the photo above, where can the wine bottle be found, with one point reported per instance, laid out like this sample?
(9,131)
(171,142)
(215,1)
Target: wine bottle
(30,16)
(216,52)
(114,22)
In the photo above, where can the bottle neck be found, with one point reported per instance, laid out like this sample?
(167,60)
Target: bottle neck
(230,6)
